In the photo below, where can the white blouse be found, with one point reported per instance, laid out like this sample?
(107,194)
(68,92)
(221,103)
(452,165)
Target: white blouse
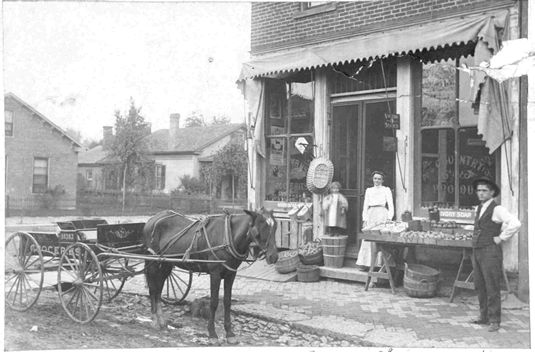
(378,195)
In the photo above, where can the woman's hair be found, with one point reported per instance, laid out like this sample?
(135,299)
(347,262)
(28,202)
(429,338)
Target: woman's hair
(378,173)
(335,183)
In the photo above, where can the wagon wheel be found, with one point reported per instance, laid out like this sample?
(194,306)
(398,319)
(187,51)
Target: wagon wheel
(177,286)
(115,272)
(24,271)
(80,283)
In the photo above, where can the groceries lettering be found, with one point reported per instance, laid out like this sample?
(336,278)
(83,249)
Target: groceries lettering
(55,250)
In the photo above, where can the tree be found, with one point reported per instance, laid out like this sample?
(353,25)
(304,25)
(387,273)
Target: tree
(195,119)
(129,145)
(231,160)
(220,120)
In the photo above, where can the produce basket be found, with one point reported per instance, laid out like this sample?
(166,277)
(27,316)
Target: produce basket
(308,273)
(319,175)
(287,262)
(312,259)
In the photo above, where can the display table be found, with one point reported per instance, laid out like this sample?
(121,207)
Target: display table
(385,241)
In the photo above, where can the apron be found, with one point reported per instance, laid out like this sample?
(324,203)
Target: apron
(376,215)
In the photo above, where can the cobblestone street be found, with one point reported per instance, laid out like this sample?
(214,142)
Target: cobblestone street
(344,310)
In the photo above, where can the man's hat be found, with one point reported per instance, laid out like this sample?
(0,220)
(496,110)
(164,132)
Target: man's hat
(487,181)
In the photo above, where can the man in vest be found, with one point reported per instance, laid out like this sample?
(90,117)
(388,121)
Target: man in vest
(493,225)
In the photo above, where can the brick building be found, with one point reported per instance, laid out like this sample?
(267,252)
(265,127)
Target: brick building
(330,72)
(40,157)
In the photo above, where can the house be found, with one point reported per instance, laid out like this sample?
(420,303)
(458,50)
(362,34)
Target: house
(175,152)
(40,159)
(383,85)
(96,171)
(182,151)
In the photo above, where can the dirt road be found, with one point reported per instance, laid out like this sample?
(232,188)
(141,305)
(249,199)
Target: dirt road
(124,323)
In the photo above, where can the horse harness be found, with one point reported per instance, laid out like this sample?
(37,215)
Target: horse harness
(200,231)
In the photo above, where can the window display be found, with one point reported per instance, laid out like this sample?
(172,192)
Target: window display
(290,115)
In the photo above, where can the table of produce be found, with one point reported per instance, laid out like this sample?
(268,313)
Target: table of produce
(397,232)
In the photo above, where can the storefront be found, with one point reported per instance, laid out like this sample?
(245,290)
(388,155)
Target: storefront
(402,101)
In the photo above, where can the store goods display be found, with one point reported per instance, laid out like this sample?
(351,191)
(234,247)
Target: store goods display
(440,231)
(287,261)
(311,253)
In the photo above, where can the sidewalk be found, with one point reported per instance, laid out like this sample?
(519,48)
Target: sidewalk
(345,310)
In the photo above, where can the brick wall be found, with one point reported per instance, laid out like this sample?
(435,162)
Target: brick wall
(31,138)
(277,25)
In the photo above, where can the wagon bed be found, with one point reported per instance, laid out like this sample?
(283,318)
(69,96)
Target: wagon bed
(92,260)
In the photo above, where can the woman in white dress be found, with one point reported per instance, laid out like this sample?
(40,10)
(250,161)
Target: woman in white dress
(378,207)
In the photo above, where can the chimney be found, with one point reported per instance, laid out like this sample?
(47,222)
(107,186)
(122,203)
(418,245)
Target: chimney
(107,136)
(174,121)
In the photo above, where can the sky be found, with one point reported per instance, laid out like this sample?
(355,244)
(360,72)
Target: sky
(79,62)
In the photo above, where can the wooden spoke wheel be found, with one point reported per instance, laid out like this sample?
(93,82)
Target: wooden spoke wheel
(115,272)
(177,286)
(24,271)
(80,283)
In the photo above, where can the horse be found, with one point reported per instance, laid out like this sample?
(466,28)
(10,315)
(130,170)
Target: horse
(215,244)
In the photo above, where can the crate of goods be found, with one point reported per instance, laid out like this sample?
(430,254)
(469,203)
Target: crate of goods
(311,254)
(308,273)
(287,261)
(420,280)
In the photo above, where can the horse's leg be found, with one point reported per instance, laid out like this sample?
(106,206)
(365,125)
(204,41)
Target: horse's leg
(227,299)
(156,274)
(215,282)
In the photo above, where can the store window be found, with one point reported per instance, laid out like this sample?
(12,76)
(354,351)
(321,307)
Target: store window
(40,175)
(452,153)
(160,176)
(289,127)
(8,116)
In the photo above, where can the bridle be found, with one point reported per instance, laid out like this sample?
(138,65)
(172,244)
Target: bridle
(253,235)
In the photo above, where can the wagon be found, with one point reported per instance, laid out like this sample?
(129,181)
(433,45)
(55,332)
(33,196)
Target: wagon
(92,261)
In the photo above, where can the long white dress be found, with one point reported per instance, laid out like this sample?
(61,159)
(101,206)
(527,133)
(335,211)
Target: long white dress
(378,207)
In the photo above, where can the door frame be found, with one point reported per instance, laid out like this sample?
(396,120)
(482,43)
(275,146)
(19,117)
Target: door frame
(360,100)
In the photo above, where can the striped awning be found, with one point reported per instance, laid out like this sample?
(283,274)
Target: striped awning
(427,37)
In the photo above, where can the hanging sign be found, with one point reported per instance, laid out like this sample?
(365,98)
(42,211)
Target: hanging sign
(392,121)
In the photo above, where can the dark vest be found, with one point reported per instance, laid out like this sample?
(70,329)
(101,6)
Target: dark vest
(484,228)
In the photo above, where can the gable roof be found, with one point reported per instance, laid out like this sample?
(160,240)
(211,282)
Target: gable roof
(43,117)
(190,139)
(95,155)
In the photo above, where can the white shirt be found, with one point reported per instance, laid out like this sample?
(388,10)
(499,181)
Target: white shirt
(500,215)
(378,195)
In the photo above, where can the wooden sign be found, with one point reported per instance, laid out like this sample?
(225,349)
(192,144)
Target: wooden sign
(392,121)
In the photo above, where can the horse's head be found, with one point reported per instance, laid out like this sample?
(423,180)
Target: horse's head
(262,233)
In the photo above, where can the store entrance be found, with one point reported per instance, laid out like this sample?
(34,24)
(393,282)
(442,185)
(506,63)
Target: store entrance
(361,144)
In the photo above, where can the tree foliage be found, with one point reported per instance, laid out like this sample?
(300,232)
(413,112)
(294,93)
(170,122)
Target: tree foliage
(196,119)
(129,146)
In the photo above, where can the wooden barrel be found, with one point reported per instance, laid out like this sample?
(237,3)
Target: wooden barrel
(308,273)
(420,280)
(334,249)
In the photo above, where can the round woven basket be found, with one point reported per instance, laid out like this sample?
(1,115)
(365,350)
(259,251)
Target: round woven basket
(319,175)
(287,264)
(312,259)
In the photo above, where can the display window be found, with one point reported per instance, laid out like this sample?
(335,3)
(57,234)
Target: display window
(452,154)
(289,128)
